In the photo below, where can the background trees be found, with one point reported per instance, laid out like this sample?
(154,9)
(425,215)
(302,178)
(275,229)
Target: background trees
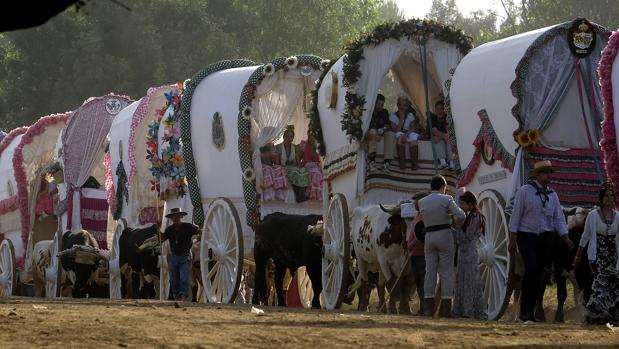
(104,48)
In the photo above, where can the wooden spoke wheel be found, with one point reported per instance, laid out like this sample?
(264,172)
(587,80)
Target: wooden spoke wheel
(8,269)
(494,258)
(335,252)
(114,265)
(54,269)
(164,272)
(221,252)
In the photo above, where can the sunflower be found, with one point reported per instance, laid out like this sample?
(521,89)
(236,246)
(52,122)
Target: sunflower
(534,136)
(523,139)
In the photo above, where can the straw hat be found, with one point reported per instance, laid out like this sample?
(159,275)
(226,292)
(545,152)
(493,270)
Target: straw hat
(542,166)
(175,211)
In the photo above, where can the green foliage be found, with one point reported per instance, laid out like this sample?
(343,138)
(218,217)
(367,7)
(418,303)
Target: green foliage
(105,48)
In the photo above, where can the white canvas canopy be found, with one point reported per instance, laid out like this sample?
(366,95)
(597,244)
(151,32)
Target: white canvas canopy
(521,83)
(22,165)
(278,102)
(128,135)
(403,58)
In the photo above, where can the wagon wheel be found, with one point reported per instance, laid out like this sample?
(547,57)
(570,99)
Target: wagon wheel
(164,272)
(495,261)
(8,269)
(335,252)
(52,272)
(114,265)
(221,252)
(304,285)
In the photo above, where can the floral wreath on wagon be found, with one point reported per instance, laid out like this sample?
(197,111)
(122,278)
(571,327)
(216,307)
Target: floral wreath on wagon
(414,28)
(171,163)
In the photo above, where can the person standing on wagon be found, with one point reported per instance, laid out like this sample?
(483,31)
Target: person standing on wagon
(439,211)
(179,234)
(536,216)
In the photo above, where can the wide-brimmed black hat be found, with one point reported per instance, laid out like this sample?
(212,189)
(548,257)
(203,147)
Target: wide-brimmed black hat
(175,211)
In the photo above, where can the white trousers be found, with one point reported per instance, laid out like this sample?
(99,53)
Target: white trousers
(439,250)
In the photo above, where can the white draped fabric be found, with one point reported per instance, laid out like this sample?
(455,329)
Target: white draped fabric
(402,57)
(279,101)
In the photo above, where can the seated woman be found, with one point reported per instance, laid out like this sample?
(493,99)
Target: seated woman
(44,204)
(290,157)
(311,162)
(274,182)
(407,131)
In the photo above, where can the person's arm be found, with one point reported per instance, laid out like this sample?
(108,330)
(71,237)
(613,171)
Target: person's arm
(560,224)
(456,211)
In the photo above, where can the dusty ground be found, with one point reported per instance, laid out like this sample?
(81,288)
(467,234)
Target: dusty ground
(30,322)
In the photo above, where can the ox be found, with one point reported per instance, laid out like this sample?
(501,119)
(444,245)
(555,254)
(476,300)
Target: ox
(80,258)
(379,241)
(288,241)
(138,261)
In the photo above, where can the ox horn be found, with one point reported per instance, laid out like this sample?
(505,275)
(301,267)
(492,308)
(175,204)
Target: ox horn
(395,210)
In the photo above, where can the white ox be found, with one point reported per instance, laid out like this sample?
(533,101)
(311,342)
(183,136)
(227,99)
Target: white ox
(379,243)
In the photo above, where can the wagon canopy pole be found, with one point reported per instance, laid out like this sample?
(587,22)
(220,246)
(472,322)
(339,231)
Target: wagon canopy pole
(584,117)
(424,74)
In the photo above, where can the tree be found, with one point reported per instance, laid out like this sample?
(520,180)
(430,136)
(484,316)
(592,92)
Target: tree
(388,10)
(481,25)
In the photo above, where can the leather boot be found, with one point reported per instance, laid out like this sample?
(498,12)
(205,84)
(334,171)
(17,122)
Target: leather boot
(414,150)
(402,156)
(428,307)
(445,309)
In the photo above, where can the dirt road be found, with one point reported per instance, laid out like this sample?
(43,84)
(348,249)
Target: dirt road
(28,323)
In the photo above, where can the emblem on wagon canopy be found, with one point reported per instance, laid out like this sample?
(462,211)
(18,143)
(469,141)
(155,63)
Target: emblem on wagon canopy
(581,38)
(219,137)
(113,106)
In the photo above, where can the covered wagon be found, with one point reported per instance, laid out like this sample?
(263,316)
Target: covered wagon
(26,205)
(517,101)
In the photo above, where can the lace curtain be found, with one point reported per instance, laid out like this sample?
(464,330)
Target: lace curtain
(279,102)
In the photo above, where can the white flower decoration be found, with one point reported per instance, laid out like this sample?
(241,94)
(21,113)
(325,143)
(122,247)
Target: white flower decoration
(268,69)
(249,175)
(247,112)
(292,62)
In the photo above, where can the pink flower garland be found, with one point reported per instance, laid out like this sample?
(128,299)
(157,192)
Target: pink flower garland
(8,205)
(138,116)
(109,182)
(20,174)
(9,138)
(608,144)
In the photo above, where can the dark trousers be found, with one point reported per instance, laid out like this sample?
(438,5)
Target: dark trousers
(536,251)
(418,264)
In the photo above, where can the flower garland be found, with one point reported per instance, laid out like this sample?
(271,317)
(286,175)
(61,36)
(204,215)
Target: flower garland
(414,28)
(109,182)
(9,138)
(185,122)
(20,172)
(171,163)
(486,136)
(246,113)
(138,116)
(314,116)
(608,144)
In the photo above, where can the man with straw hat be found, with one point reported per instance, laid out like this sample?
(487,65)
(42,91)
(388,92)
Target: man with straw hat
(179,234)
(536,217)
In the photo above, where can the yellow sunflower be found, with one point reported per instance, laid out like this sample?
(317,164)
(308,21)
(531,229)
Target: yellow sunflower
(534,136)
(523,139)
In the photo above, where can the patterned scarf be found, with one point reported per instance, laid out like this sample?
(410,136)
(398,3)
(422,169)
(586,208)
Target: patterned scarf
(122,191)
